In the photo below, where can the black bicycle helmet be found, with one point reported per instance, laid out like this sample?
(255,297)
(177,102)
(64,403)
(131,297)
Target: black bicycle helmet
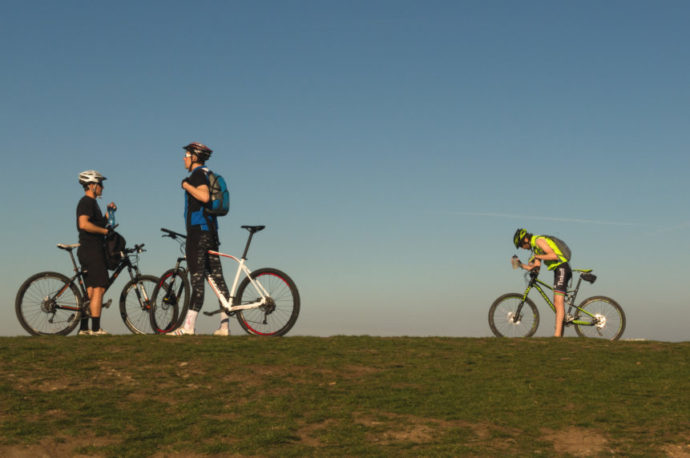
(202,151)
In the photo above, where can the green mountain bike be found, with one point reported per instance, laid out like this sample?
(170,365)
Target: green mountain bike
(516,315)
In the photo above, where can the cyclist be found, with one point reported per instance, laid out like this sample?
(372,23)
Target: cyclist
(202,235)
(91,225)
(545,249)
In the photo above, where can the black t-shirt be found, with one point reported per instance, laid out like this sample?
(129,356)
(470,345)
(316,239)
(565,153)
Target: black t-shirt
(195,219)
(89,207)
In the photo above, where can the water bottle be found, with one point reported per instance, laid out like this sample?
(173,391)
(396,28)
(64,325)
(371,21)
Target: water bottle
(515,261)
(111,214)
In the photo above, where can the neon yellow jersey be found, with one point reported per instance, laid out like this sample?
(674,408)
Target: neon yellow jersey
(536,250)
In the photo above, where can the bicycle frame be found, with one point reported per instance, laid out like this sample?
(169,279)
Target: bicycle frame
(539,285)
(79,274)
(241,268)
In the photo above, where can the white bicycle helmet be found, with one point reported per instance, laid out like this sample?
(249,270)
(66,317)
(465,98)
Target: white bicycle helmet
(90,176)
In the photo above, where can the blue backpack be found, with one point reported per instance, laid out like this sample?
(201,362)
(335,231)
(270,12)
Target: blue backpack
(219,205)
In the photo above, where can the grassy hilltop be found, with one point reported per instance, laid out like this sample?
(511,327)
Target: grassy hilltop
(161,396)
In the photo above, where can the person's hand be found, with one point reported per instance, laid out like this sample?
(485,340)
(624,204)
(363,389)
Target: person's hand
(186,180)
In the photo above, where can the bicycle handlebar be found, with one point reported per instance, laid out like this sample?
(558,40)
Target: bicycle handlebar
(137,249)
(172,234)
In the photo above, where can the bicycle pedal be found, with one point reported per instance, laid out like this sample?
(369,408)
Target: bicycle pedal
(107,303)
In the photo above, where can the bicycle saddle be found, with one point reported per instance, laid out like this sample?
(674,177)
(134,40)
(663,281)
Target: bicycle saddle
(67,247)
(253,229)
(588,277)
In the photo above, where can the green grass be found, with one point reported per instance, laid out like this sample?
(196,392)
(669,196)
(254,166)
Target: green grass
(296,396)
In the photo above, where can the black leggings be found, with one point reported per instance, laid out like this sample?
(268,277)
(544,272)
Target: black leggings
(200,262)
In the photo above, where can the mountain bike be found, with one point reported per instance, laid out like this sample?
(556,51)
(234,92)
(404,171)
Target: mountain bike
(171,294)
(266,302)
(515,315)
(50,303)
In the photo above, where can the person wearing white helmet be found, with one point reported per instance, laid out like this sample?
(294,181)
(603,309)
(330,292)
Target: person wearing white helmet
(91,225)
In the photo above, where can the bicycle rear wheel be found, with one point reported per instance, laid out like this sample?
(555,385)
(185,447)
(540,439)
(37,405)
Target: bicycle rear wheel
(607,320)
(170,301)
(504,321)
(48,303)
(275,318)
(135,304)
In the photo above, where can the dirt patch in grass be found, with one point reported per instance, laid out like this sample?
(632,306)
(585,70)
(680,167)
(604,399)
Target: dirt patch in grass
(308,433)
(388,428)
(677,450)
(577,441)
(61,448)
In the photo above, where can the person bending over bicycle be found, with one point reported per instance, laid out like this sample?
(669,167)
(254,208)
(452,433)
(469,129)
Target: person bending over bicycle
(91,225)
(202,235)
(545,249)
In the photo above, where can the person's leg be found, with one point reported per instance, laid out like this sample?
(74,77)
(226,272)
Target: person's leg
(559,303)
(96,306)
(215,269)
(195,252)
(562,276)
(96,280)
(84,325)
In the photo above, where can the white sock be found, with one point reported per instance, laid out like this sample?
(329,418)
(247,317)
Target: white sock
(224,319)
(190,320)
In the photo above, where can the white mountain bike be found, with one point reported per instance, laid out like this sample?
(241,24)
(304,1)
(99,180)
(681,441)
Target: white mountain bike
(266,302)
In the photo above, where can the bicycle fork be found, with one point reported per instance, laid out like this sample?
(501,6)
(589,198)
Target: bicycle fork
(517,317)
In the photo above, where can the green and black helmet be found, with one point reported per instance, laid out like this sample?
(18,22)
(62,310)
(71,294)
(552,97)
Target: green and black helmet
(519,236)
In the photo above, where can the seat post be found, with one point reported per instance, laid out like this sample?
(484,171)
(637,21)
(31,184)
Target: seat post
(246,248)
(74,262)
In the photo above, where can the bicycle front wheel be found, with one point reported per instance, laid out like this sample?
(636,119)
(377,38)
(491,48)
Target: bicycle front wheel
(278,316)
(506,321)
(135,304)
(48,303)
(170,301)
(605,318)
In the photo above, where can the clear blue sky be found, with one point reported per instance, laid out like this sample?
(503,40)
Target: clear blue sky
(391,147)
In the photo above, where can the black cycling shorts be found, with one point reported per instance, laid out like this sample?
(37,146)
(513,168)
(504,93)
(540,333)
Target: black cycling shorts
(92,260)
(561,278)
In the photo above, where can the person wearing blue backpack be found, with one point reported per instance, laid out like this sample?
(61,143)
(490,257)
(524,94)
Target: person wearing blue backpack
(202,235)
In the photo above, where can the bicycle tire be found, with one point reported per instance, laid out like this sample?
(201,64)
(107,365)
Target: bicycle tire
(37,307)
(606,309)
(134,309)
(501,315)
(271,320)
(167,312)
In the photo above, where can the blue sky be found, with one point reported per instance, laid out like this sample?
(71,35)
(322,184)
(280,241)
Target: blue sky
(391,147)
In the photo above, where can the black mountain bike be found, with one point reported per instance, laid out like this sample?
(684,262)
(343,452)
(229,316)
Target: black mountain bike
(171,295)
(50,303)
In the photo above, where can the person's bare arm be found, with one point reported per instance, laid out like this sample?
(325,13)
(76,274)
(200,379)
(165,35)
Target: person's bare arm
(88,226)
